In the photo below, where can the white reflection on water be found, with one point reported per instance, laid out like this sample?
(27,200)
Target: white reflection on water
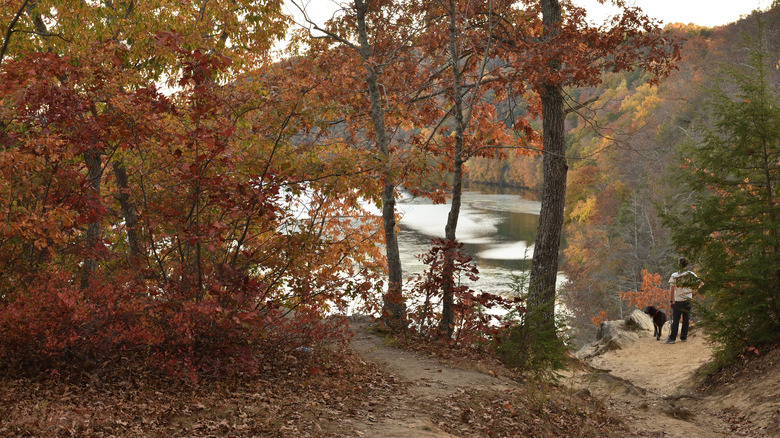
(487,226)
(508,251)
(474,226)
(498,230)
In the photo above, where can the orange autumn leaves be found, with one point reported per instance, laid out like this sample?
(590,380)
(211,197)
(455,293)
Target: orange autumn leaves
(650,293)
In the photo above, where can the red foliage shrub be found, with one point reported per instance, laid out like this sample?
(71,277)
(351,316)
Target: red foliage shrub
(478,315)
(56,325)
(650,293)
(195,290)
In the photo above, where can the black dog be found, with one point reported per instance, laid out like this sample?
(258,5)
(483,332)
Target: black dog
(659,319)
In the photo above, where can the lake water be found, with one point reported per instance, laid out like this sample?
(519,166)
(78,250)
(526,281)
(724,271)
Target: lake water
(496,226)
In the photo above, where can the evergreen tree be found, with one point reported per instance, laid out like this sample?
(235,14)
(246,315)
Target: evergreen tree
(731,226)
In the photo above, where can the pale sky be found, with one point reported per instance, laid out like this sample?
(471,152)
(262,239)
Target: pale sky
(703,12)
(708,13)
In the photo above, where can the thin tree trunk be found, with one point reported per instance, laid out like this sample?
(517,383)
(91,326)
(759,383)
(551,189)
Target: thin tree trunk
(447,323)
(394,307)
(10,30)
(94,161)
(128,211)
(544,266)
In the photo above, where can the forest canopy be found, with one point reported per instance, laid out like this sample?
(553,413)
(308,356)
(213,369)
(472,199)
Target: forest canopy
(176,196)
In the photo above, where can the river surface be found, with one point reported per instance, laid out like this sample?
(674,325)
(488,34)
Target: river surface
(497,227)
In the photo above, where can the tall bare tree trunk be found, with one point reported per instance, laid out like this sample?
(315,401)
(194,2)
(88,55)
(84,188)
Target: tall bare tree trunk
(544,266)
(394,307)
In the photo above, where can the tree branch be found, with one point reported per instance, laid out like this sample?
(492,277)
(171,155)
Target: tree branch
(10,30)
(579,106)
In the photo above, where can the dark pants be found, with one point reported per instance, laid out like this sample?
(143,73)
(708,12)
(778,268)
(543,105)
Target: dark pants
(680,308)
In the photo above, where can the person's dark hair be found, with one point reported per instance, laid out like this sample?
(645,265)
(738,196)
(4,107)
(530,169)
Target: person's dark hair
(682,262)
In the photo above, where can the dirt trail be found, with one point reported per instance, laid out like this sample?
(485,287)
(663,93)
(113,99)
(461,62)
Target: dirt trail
(651,385)
(662,369)
(648,384)
(429,382)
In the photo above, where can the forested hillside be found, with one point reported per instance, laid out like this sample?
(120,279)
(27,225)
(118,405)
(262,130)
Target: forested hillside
(626,154)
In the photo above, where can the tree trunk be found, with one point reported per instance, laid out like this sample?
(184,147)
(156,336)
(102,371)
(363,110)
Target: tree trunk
(447,323)
(94,162)
(544,267)
(394,307)
(9,31)
(130,215)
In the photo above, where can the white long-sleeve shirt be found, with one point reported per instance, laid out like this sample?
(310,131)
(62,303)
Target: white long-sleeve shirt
(682,293)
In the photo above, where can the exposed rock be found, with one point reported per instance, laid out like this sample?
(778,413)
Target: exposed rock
(610,329)
(588,350)
(621,340)
(639,320)
(617,334)
(679,412)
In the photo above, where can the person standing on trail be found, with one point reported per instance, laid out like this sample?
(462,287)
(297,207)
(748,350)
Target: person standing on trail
(682,285)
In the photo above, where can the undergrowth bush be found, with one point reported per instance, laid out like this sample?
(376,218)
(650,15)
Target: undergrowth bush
(477,315)
(523,345)
(54,326)
(501,325)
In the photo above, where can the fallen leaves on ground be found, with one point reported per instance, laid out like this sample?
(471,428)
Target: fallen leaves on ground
(293,404)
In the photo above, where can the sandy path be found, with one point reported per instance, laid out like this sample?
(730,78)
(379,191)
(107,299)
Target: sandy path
(663,369)
(429,382)
(650,384)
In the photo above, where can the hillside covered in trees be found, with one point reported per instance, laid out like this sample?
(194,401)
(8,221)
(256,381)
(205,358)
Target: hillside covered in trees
(628,152)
